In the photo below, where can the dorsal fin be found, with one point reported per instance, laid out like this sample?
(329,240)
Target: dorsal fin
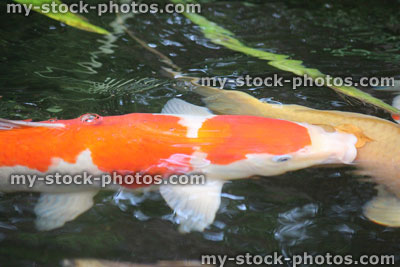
(9,124)
(178,106)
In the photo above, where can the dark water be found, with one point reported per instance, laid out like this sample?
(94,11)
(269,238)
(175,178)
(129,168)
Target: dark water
(51,70)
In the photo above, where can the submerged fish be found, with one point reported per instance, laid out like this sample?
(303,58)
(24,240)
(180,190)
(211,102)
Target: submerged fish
(378,156)
(396,104)
(184,139)
(107,263)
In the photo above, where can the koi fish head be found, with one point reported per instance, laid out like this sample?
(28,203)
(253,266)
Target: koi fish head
(324,148)
(243,146)
(279,147)
(327,147)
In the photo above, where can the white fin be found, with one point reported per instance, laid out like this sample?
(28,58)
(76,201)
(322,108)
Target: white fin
(384,209)
(178,106)
(195,206)
(9,124)
(55,209)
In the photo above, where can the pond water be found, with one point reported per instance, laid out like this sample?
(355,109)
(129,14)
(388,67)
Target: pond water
(51,70)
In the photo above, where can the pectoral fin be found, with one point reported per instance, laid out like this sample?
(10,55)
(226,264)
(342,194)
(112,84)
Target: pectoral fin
(55,209)
(384,209)
(195,206)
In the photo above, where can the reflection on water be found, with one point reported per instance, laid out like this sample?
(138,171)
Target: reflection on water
(50,70)
(293,225)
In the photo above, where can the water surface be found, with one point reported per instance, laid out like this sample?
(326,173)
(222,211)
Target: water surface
(51,70)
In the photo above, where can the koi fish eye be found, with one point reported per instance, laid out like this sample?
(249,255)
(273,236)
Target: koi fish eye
(281,158)
(90,117)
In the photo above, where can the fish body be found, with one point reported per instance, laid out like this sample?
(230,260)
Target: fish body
(378,158)
(106,263)
(222,147)
(160,144)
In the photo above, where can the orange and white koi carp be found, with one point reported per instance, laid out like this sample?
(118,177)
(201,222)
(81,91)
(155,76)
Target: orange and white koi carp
(183,139)
(378,149)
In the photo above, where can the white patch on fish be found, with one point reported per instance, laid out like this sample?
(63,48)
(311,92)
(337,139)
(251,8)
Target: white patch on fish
(193,124)
(192,116)
(84,163)
(335,147)
(176,163)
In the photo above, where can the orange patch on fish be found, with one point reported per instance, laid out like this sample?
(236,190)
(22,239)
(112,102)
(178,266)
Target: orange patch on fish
(251,135)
